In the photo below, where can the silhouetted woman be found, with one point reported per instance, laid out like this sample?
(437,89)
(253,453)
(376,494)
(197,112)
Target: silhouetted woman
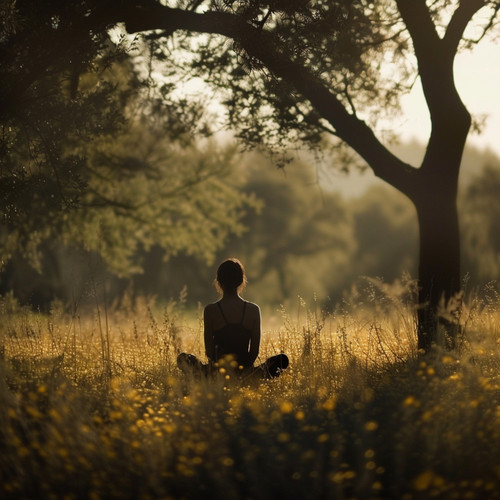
(232,328)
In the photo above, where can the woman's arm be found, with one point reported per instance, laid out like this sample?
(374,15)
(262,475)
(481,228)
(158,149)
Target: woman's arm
(208,335)
(255,337)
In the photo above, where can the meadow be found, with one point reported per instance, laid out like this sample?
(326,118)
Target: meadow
(92,405)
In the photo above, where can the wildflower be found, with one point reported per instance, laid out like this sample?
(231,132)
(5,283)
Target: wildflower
(427,415)
(329,404)
(322,438)
(427,479)
(169,428)
(283,437)
(338,477)
(410,401)
(286,407)
(371,426)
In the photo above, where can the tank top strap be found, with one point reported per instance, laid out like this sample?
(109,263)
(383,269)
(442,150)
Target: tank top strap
(222,312)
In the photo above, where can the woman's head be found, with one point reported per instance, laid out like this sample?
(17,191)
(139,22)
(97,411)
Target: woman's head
(231,277)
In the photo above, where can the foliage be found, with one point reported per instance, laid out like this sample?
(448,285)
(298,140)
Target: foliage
(41,110)
(146,191)
(94,406)
(481,220)
(342,43)
(382,215)
(291,244)
(317,241)
(94,155)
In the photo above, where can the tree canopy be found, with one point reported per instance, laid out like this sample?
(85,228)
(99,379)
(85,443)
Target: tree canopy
(93,155)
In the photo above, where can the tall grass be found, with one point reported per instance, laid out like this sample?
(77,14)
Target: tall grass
(95,407)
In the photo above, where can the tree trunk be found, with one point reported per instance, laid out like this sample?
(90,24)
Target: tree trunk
(439,269)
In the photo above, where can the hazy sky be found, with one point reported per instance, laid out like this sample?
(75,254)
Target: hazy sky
(477,77)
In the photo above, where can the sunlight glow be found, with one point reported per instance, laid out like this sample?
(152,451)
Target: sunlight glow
(477,77)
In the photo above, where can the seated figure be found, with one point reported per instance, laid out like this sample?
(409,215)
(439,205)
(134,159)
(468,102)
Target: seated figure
(232,329)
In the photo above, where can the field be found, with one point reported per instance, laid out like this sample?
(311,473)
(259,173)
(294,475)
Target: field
(92,405)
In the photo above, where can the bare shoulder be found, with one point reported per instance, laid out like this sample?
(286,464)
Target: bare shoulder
(253,309)
(210,309)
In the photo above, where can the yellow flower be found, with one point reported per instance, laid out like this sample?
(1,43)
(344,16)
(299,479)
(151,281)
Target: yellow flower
(283,437)
(322,438)
(410,401)
(427,479)
(329,404)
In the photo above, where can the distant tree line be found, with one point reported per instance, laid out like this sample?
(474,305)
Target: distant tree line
(295,236)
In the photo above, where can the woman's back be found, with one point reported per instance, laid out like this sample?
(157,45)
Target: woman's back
(232,339)
(232,327)
(234,310)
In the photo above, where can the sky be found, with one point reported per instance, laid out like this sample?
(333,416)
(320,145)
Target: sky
(477,78)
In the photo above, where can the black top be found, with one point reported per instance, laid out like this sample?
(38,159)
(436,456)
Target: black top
(232,338)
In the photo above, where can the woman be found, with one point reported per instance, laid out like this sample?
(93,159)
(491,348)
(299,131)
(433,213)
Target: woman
(232,328)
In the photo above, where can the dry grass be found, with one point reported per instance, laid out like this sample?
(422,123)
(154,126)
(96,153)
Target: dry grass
(93,406)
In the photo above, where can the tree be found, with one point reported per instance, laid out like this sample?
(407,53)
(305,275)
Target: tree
(317,67)
(93,155)
(297,70)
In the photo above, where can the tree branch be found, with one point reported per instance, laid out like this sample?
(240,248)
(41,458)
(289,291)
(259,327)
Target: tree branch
(459,21)
(262,45)
(417,19)
(450,119)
